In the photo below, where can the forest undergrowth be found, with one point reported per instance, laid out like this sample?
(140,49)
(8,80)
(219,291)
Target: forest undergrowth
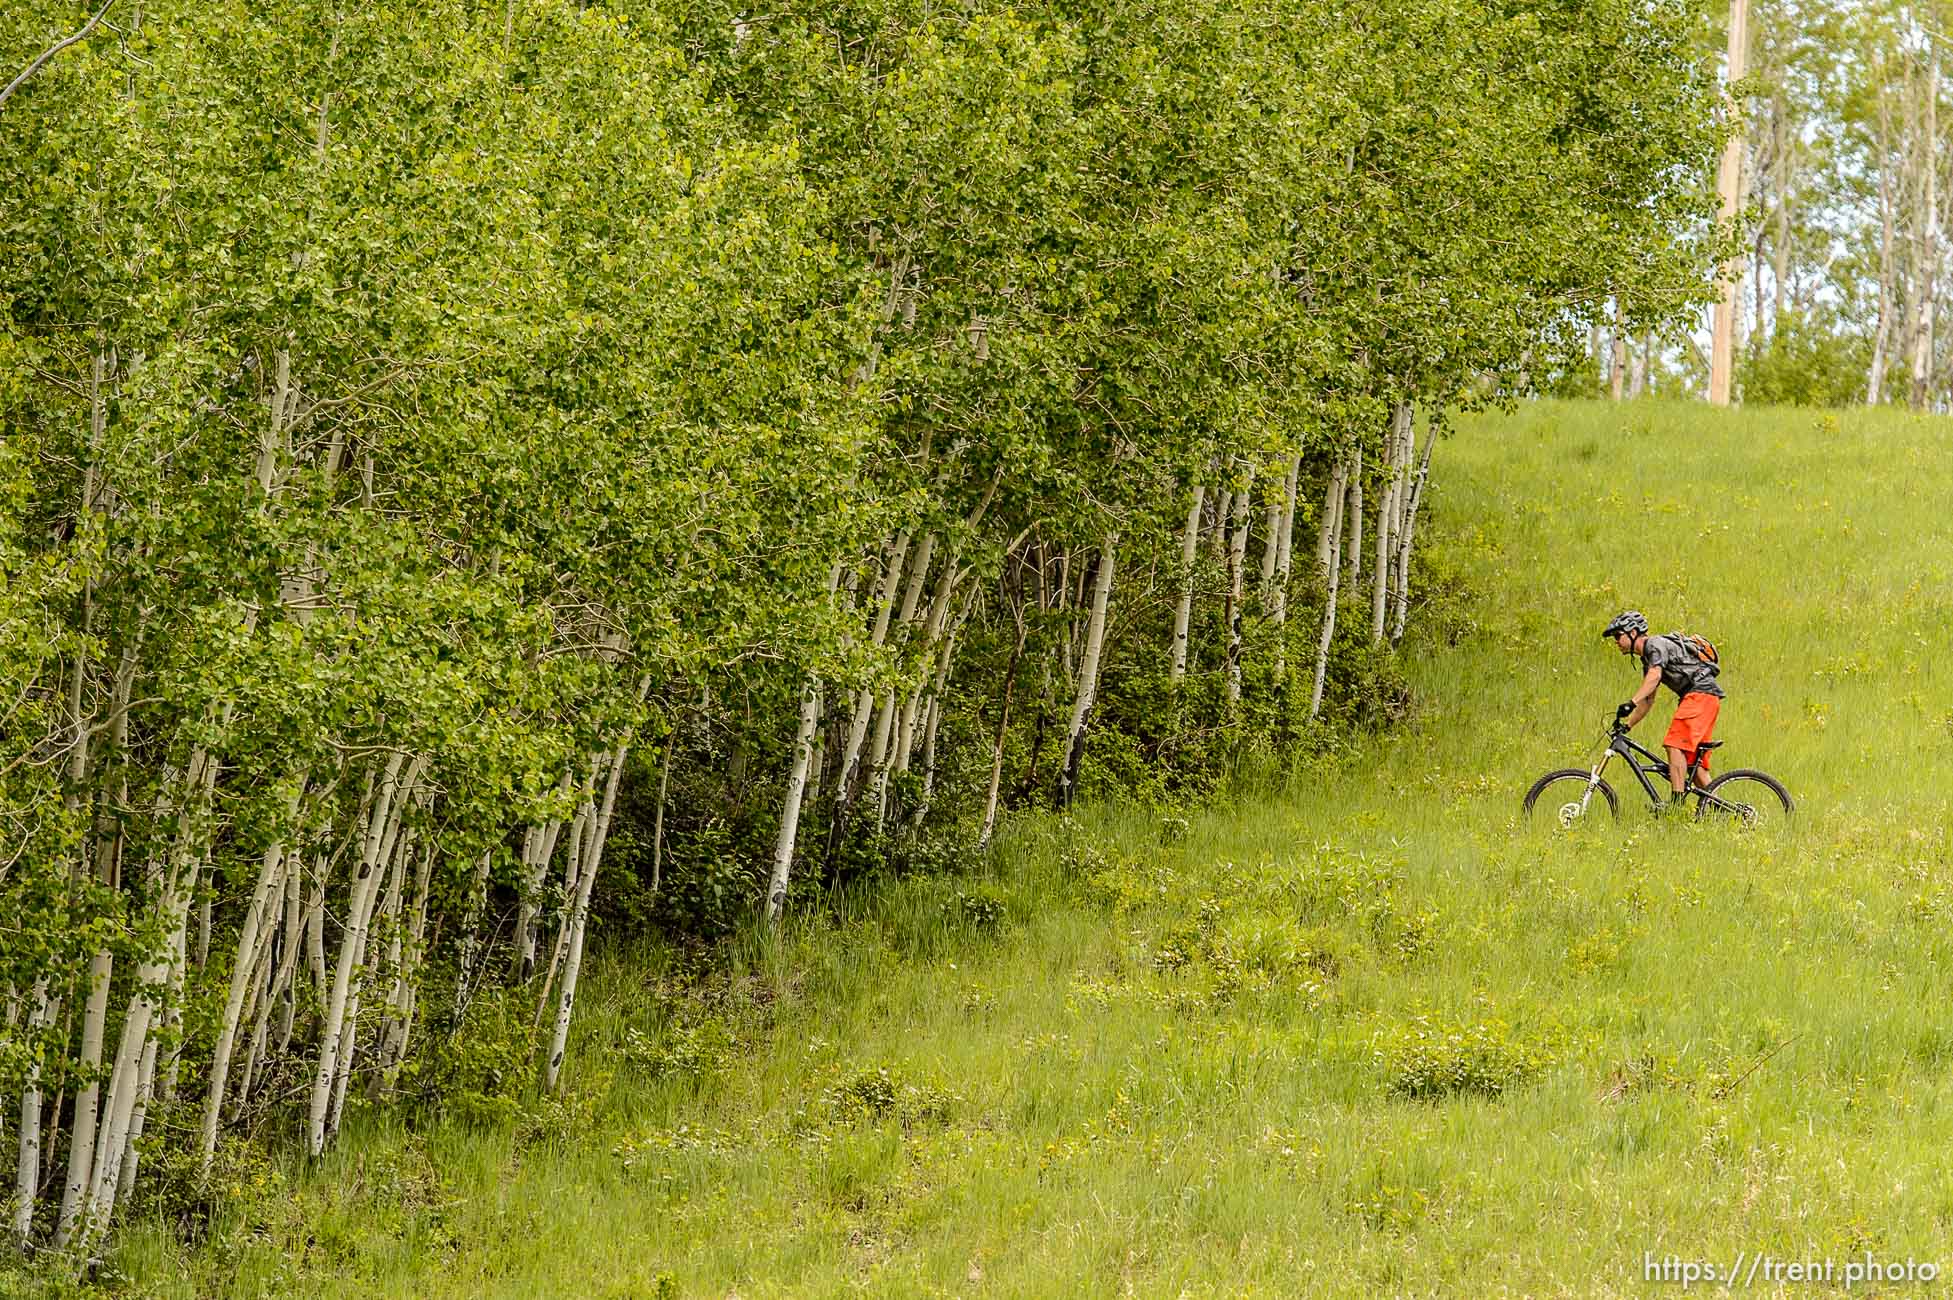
(1353,1029)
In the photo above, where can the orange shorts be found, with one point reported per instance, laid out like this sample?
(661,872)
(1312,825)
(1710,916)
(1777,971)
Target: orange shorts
(1695,719)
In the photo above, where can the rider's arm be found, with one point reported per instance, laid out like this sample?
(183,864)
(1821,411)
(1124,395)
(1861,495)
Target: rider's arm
(1645,697)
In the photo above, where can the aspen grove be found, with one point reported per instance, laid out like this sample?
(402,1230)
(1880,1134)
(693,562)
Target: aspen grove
(471,470)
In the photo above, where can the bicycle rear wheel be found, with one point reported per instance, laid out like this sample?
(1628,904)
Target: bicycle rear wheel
(1752,800)
(1563,795)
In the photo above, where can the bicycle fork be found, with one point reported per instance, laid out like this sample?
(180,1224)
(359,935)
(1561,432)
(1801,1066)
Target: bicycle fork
(1593,778)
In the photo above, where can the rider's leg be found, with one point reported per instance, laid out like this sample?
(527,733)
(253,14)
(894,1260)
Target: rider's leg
(1678,769)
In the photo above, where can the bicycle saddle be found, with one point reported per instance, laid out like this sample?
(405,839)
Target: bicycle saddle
(1709,744)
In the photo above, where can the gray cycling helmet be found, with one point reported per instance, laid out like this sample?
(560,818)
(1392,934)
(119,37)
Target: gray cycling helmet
(1631,621)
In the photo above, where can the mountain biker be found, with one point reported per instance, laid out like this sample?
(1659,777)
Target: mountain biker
(1670,661)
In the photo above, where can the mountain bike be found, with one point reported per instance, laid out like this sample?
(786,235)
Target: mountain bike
(1743,797)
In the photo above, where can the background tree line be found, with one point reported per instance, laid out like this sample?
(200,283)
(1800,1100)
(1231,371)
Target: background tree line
(469,464)
(1843,190)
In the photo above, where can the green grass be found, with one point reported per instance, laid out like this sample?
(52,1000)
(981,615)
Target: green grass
(1367,1035)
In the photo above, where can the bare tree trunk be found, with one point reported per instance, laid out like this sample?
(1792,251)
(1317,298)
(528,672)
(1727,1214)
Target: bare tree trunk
(1183,611)
(270,883)
(803,758)
(1088,673)
(1331,571)
(1003,724)
(1925,284)
(28,1167)
(1881,337)
(803,755)
(1410,528)
(1617,376)
(580,912)
(1237,554)
(658,818)
(1284,552)
(1353,530)
(1729,191)
(1387,507)
(1330,528)
(376,850)
(1785,149)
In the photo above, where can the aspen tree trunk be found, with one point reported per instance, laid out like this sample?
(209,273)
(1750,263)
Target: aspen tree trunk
(1386,517)
(1237,554)
(1353,532)
(593,859)
(28,1167)
(1331,571)
(365,885)
(471,944)
(586,816)
(1410,530)
(884,603)
(1223,514)
(1329,528)
(1003,721)
(1881,337)
(1617,371)
(1638,368)
(658,818)
(394,854)
(803,753)
(1729,193)
(1925,282)
(803,757)
(1284,552)
(270,882)
(133,1075)
(406,983)
(81,1142)
(538,847)
(939,685)
(1088,672)
(1785,144)
(1271,524)
(1183,610)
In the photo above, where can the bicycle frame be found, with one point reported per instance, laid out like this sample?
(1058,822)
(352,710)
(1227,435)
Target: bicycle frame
(1621,743)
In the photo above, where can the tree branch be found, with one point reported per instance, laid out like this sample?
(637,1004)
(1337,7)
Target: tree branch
(53,50)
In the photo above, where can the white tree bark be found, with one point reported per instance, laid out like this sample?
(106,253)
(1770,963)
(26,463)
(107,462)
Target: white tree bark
(1729,192)
(1881,337)
(1329,529)
(271,872)
(1353,530)
(783,845)
(1410,531)
(1183,611)
(1386,518)
(580,912)
(1284,553)
(81,1144)
(28,1167)
(1237,554)
(365,885)
(803,757)
(1332,571)
(1928,258)
(1088,673)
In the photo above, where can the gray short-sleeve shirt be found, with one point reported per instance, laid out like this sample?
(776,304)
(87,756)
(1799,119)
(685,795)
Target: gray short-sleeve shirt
(1681,671)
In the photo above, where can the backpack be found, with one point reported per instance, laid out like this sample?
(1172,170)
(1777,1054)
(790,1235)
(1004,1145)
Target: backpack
(1701,649)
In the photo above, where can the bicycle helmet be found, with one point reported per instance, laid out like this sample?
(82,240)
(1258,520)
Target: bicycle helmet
(1631,621)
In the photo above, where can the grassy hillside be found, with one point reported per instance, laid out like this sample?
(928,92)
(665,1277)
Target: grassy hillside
(1366,1035)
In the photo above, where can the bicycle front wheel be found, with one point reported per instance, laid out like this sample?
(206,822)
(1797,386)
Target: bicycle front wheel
(1564,796)
(1747,799)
